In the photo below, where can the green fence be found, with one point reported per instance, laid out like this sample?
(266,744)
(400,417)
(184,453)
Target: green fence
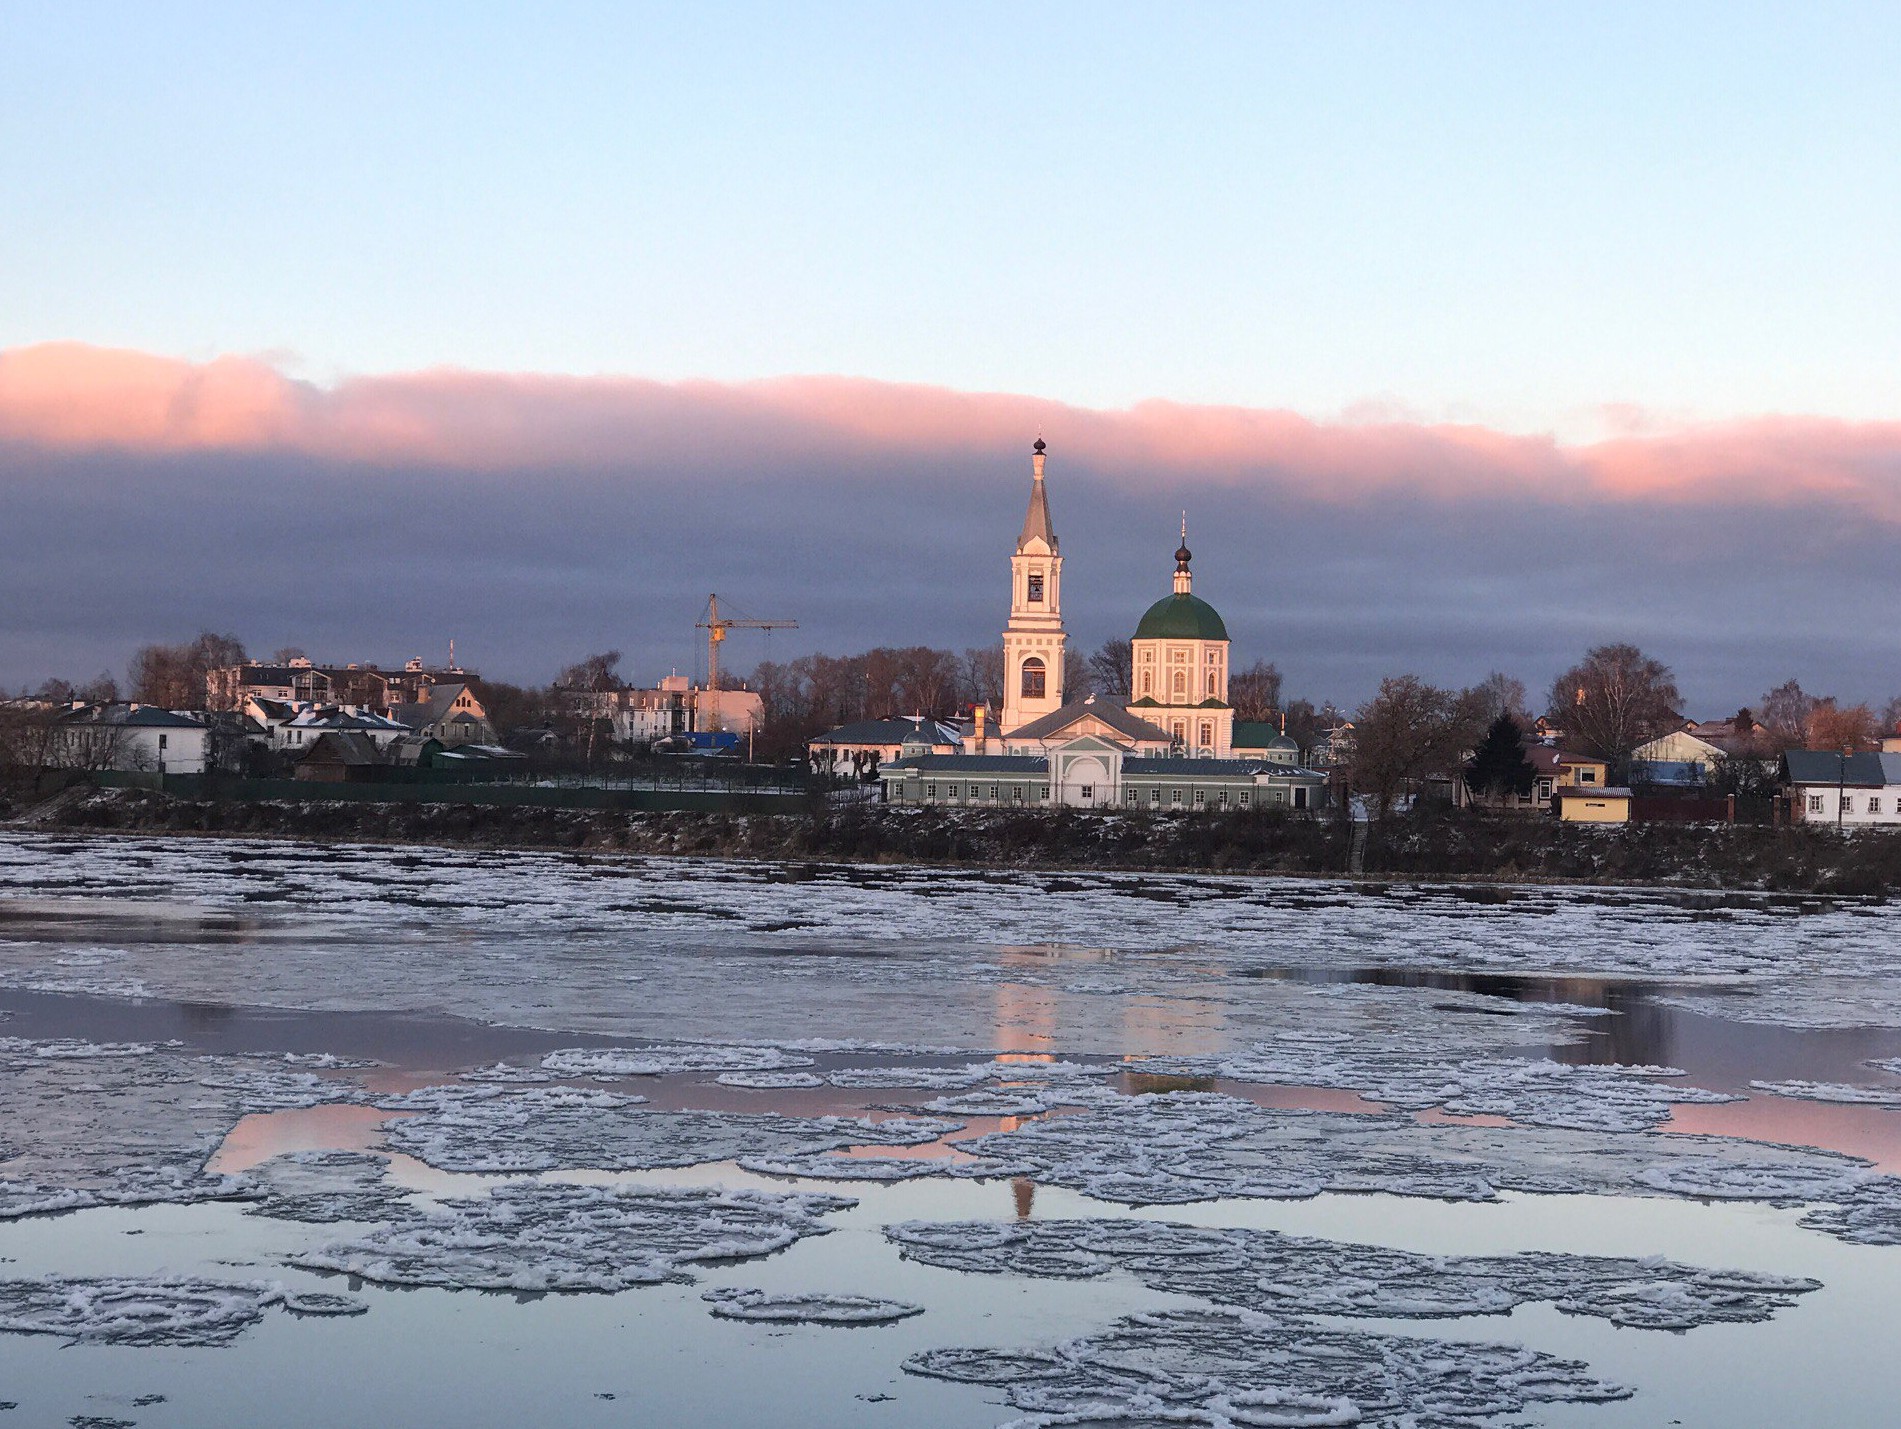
(690,797)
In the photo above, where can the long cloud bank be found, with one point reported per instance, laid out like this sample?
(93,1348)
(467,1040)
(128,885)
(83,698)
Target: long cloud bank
(67,396)
(536,517)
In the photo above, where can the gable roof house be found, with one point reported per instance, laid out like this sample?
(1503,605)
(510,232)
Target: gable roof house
(129,738)
(452,713)
(1847,790)
(342,757)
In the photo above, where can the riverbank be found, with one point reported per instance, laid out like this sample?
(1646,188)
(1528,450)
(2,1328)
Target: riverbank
(1431,843)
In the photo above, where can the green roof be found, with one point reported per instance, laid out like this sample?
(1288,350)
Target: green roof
(1181,617)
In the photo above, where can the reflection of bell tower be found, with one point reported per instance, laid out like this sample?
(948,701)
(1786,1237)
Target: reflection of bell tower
(1033,643)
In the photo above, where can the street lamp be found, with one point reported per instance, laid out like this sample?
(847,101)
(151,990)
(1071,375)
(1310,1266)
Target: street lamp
(1841,783)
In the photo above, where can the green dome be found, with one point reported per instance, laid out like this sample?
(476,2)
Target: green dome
(1181,617)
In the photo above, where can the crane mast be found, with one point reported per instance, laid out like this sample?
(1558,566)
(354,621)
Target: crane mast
(716,625)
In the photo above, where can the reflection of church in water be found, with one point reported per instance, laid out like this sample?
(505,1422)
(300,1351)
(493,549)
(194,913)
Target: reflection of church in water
(1173,743)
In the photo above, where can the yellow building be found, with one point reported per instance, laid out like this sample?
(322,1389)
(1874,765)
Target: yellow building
(1582,805)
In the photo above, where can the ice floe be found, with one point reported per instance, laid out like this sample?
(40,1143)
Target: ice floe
(1535,1092)
(1300,1276)
(478,935)
(325,1186)
(611,1063)
(152,1310)
(94,1124)
(1224,1368)
(770,1081)
(1197,1146)
(1843,1093)
(536,1236)
(551,1128)
(1867,1213)
(734,1303)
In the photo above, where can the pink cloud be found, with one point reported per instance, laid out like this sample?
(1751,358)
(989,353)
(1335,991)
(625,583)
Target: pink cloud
(67,396)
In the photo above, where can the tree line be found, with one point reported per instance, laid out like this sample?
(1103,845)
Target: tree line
(1614,699)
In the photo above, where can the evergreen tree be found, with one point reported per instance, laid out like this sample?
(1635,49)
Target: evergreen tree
(1499,766)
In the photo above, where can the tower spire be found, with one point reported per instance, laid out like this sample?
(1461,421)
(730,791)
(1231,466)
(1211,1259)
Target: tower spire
(1183,581)
(1036,521)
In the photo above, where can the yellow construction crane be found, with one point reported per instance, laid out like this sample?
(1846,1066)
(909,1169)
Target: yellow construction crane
(716,625)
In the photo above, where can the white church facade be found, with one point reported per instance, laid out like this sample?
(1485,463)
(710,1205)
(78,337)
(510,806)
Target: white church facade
(1169,745)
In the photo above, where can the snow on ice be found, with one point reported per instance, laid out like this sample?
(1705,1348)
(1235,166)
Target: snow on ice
(734,1303)
(152,1310)
(534,1236)
(1298,1276)
(1225,1368)
(550,1128)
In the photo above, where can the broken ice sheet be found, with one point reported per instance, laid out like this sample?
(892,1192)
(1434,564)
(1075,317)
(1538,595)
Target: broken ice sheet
(1868,1213)
(1297,1275)
(540,1236)
(324,1186)
(152,1310)
(554,1128)
(1532,1092)
(1197,1146)
(96,1124)
(1224,1368)
(734,1303)
(609,1063)
(770,1081)
(1840,1093)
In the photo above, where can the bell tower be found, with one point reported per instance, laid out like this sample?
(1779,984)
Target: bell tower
(1034,640)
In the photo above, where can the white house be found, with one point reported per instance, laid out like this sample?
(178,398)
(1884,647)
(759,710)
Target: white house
(1846,790)
(129,737)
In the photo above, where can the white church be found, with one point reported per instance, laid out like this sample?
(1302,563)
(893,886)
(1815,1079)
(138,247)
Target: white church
(1172,744)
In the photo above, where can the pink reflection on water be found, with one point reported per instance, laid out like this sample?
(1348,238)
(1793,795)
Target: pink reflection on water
(1867,1131)
(262,1135)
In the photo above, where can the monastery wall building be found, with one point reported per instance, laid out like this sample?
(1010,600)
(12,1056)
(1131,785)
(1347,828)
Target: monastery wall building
(1173,744)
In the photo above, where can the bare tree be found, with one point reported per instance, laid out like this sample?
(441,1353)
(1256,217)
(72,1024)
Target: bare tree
(1409,731)
(1255,692)
(983,675)
(1785,715)
(1612,701)
(927,681)
(1891,718)
(1112,668)
(1078,678)
(176,677)
(1500,694)
(595,675)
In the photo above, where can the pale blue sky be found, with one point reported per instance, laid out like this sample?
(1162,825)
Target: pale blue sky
(1504,213)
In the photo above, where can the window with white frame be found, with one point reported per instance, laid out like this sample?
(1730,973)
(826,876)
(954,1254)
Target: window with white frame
(1244,798)
(1155,796)
(1874,804)
(1201,797)
(1088,791)
(1174,796)
(1815,803)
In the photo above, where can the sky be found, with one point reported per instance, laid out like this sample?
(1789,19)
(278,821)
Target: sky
(1469,334)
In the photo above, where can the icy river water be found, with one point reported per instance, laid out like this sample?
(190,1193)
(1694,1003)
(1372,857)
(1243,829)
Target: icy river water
(329,1136)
